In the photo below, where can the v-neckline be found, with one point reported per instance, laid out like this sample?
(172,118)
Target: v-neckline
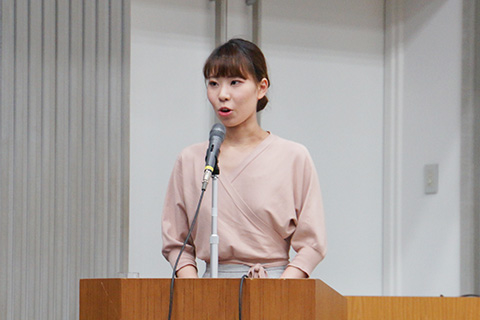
(233,174)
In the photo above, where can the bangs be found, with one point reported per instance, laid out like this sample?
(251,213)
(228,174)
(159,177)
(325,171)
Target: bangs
(227,62)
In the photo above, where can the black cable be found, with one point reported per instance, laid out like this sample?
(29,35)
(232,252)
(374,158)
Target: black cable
(170,306)
(240,297)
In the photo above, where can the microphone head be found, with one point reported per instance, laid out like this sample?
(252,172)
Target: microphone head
(218,130)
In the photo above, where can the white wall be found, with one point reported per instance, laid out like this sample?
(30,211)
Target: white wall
(169,43)
(430,224)
(326,67)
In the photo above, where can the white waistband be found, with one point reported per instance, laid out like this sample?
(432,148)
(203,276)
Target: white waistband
(239,270)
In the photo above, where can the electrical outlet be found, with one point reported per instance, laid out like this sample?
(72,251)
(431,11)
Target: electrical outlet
(430,175)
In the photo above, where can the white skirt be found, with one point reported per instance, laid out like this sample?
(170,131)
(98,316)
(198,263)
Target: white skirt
(239,270)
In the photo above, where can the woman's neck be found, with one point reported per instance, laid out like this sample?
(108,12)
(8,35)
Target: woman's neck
(237,145)
(242,136)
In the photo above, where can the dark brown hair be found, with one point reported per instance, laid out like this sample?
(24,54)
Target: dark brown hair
(238,58)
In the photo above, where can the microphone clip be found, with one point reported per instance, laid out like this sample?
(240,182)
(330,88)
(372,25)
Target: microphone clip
(209,171)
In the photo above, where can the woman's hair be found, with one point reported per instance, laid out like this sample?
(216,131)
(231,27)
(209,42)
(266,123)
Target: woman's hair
(238,58)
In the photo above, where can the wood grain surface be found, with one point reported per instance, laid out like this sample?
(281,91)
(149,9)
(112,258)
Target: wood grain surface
(413,308)
(216,299)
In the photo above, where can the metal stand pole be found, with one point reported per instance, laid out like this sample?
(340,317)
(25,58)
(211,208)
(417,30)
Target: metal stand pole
(214,239)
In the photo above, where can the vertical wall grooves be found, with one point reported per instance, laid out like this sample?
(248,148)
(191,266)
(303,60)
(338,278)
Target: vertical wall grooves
(64,151)
(124,180)
(469,164)
(476,147)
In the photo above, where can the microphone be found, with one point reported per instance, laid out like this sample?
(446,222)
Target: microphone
(217,134)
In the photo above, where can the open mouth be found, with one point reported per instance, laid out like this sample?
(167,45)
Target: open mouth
(224,111)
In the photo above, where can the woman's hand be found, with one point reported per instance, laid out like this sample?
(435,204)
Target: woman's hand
(293,273)
(188,271)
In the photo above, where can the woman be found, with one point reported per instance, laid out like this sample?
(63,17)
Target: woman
(268,194)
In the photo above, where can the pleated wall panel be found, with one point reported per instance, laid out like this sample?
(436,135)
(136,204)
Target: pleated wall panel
(470,150)
(477,147)
(64,167)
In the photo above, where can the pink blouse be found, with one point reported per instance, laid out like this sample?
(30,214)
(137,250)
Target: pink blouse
(270,202)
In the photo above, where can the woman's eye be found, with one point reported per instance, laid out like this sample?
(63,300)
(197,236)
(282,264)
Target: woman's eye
(212,83)
(235,82)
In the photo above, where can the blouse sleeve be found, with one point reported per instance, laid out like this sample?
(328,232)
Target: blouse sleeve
(175,222)
(309,238)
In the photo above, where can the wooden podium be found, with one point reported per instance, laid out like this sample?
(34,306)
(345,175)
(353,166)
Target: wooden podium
(216,299)
(413,308)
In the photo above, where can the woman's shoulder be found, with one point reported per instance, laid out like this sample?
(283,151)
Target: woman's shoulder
(294,154)
(193,151)
(194,148)
(286,145)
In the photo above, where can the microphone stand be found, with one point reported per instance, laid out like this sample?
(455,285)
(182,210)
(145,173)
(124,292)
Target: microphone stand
(214,239)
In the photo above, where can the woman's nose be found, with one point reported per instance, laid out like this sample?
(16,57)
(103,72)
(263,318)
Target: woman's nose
(223,94)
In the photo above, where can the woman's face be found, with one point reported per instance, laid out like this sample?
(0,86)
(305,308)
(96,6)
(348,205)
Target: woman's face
(234,99)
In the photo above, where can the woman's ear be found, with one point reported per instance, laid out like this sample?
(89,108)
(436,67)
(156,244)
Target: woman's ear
(262,88)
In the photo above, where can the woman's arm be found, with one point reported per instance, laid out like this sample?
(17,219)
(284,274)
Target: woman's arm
(188,271)
(175,222)
(309,238)
(293,273)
